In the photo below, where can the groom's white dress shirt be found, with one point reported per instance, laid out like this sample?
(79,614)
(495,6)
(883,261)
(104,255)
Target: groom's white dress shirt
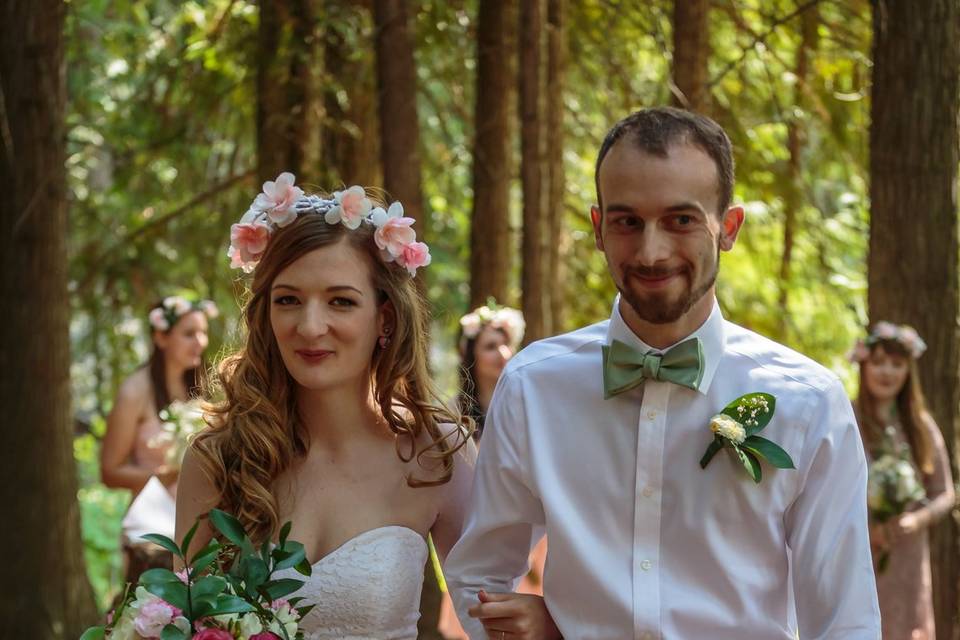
(645,544)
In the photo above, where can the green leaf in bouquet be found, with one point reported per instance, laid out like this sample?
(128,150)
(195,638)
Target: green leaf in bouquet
(304,610)
(164,542)
(94,633)
(756,413)
(770,451)
(255,573)
(174,593)
(208,586)
(749,462)
(171,632)
(265,552)
(231,604)
(289,556)
(203,558)
(276,589)
(304,568)
(711,451)
(285,532)
(231,528)
(187,539)
(158,576)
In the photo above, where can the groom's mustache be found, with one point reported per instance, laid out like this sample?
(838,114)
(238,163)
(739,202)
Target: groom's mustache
(653,272)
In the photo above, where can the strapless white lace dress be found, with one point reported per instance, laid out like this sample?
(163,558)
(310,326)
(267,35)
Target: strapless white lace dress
(366,589)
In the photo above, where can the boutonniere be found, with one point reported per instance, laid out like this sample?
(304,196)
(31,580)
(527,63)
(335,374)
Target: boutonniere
(736,427)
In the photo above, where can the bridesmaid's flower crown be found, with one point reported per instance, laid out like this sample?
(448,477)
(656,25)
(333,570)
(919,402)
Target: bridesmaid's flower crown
(164,316)
(904,334)
(281,202)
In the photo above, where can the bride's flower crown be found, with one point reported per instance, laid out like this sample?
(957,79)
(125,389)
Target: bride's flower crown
(904,334)
(281,203)
(164,316)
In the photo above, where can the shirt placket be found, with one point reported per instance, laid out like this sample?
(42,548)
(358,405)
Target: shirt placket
(647,511)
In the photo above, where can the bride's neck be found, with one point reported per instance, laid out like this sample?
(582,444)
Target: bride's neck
(337,417)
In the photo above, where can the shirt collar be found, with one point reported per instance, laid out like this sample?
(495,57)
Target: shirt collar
(710,334)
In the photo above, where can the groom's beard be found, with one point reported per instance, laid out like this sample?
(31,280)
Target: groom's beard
(658,307)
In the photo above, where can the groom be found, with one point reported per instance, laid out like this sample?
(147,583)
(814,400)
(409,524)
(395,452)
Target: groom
(596,437)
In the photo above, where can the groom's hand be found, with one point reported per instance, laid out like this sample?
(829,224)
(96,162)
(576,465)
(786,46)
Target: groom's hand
(514,616)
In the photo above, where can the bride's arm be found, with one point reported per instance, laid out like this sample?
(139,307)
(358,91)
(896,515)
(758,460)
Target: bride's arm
(196,495)
(449,523)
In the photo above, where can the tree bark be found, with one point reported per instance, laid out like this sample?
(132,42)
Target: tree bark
(350,146)
(794,192)
(285,89)
(490,237)
(691,53)
(45,591)
(556,61)
(399,128)
(912,273)
(535,230)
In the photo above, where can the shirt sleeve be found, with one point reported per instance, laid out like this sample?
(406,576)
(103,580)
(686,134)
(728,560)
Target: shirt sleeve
(827,531)
(503,511)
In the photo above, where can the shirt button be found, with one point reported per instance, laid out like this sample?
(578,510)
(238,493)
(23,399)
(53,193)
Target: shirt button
(651,415)
(647,492)
(645,565)
(646,635)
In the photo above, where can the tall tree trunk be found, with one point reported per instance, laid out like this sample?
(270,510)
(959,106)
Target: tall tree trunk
(45,591)
(556,58)
(490,237)
(794,193)
(535,230)
(691,53)
(399,128)
(350,145)
(913,278)
(285,89)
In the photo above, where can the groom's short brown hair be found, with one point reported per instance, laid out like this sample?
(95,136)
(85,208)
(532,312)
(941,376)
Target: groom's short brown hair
(655,129)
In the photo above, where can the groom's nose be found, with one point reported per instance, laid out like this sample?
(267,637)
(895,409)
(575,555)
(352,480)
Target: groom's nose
(652,247)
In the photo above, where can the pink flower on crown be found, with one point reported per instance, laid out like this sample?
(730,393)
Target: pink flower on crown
(209,308)
(248,241)
(158,320)
(394,231)
(859,353)
(885,331)
(414,256)
(279,198)
(352,207)
(153,616)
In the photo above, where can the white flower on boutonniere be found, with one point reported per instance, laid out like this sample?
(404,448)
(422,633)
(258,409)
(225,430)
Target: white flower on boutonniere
(736,427)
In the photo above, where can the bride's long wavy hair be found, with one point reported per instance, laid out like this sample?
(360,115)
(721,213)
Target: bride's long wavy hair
(255,431)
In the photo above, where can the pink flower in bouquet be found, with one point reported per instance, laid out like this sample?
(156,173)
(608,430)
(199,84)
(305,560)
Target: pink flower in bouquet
(414,255)
(248,241)
(279,198)
(213,634)
(266,635)
(153,617)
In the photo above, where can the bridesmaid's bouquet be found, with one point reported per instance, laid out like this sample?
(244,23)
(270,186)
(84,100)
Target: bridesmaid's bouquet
(227,591)
(893,486)
(181,421)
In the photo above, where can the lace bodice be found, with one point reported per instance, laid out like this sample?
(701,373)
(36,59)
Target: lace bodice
(366,589)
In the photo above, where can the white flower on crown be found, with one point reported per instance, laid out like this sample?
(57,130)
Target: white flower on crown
(506,318)
(352,207)
(279,199)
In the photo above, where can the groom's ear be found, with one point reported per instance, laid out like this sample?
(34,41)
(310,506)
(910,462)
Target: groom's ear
(596,217)
(730,223)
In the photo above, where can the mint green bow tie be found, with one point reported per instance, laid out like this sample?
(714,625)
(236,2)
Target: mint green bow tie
(625,367)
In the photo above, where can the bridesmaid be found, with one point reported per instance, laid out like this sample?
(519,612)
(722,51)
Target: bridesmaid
(894,421)
(490,336)
(132,451)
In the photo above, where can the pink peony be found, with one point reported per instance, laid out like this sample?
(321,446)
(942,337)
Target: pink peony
(213,634)
(414,255)
(153,617)
(394,235)
(248,241)
(279,198)
(266,635)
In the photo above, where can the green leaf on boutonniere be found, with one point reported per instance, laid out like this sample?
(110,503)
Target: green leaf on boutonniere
(712,450)
(749,462)
(753,410)
(769,451)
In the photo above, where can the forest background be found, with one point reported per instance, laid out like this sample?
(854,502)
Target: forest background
(136,131)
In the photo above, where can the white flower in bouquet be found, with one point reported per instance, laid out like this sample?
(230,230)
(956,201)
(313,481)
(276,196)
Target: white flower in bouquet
(181,421)
(893,485)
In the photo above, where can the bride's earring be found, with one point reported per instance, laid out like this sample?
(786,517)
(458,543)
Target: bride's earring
(385,339)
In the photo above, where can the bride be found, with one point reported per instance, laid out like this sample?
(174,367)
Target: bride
(329,419)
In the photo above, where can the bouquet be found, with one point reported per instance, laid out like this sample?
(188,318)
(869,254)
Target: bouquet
(892,486)
(181,421)
(227,591)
